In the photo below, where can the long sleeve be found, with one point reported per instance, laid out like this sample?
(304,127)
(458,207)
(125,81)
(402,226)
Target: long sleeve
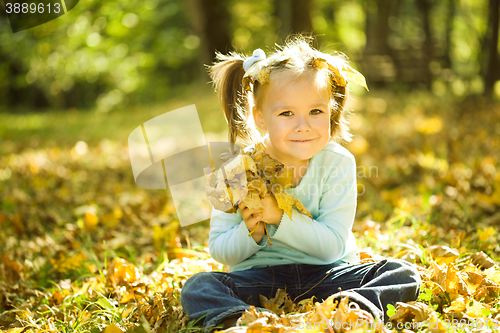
(229,242)
(326,236)
(328,191)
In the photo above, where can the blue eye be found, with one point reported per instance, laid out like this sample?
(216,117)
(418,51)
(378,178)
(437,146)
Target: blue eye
(319,111)
(283,113)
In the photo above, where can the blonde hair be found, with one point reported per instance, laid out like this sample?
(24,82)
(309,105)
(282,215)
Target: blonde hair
(237,89)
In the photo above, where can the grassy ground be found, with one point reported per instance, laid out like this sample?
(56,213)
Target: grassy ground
(86,250)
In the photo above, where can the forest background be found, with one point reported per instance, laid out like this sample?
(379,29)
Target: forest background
(83,248)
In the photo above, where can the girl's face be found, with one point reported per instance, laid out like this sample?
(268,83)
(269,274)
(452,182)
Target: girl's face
(296,114)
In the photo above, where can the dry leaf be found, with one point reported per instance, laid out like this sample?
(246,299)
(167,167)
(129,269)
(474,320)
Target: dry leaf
(455,284)
(249,177)
(281,303)
(411,311)
(8,317)
(475,309)
(443,254)
(121,273)
(12,270)
(457,307)
(482,260)
(63,264)
(113,329)
(287,201)
(91,221)
(250,316)
(486,291)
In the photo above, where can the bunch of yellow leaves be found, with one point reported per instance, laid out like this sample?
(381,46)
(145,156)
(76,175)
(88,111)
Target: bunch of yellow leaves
(249,177)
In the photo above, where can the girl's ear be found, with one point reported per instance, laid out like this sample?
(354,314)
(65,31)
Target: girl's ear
(258,119)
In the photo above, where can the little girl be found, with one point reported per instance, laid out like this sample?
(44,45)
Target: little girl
(297,96)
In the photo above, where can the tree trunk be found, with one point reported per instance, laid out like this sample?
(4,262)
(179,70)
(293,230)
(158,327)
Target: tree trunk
(283,11)
(295,17)
(377,26)
(448,33)
(491,68)
(210,22)
(301,16)
(424,7)
(379,64)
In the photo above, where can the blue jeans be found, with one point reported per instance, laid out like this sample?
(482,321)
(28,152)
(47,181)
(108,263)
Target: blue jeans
(219,296)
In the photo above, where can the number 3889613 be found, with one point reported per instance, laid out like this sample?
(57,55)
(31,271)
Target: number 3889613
(18,8)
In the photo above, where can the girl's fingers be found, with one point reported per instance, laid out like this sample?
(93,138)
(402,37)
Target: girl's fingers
(256,216)
(246,212)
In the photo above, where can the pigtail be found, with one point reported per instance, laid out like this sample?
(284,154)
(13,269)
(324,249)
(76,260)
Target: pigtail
(338,119)
(227,75)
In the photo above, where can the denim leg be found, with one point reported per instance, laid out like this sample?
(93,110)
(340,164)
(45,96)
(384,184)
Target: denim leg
(219,296)
(372,286)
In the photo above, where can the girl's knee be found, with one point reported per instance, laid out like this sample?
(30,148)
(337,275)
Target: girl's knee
(403,271)
(195,283)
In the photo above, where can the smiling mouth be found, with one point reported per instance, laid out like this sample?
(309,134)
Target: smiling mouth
(301,140)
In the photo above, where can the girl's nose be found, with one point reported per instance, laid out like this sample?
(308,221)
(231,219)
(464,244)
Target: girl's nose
(302,125)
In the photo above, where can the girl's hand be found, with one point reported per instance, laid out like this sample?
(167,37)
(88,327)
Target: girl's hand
(252,218)
(272,212)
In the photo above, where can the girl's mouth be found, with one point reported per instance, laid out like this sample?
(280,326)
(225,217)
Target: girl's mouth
(302,140)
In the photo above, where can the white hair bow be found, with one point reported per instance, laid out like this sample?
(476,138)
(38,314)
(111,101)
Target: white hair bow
(257,55)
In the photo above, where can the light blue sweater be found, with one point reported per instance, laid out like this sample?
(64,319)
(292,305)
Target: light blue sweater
(328,190)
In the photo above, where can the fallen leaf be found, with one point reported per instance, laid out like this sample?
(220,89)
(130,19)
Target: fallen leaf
(91,221)
(485,234)
(112,329)
(250,316)
(281,303)
(410,311)
(8,317)
(486,291)
(443,254)
(455,284)
(12,270)
(121,273)
(482,260)
(457,307)
(64,264)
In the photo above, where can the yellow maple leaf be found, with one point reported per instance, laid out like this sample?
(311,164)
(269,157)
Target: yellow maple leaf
(485,234)
(66,264)
(113,329)
(249,177)
(287,201)
(91,220)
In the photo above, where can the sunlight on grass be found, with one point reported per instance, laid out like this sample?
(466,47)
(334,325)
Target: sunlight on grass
(85,249)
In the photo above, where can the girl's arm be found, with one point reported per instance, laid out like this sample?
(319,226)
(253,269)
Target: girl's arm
(325,237)
(228,240)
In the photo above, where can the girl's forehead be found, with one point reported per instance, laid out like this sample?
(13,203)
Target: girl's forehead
(284,87)
(283,80)
(278,79)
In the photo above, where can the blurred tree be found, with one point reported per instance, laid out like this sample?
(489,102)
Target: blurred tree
(379,63)
(295,16)
(102,54)
(210,22)
(490,65)
(108,54)
(425,8)
(450,16)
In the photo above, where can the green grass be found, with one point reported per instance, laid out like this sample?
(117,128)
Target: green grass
(63,128)
(395,216)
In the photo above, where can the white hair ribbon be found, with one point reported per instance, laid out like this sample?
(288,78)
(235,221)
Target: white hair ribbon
(257,55)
